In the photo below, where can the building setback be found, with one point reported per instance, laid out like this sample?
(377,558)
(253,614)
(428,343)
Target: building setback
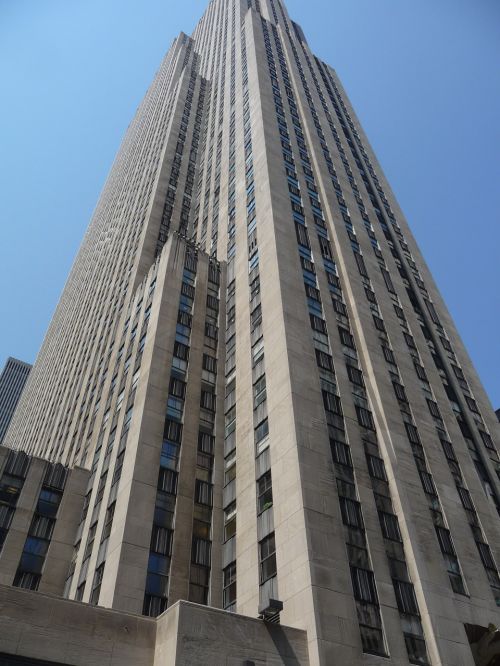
(251,396)
(12,381)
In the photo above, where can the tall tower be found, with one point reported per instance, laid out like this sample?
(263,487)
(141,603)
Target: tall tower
(12,381)
(252,361)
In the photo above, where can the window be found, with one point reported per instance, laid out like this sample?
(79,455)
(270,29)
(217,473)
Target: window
(27,580)
(428,483)
(351,512)
(48,502)
(201,551)
(415,646)
(434,409)
(339,307)
(206,442)
(388,355)
(209,363)
(355,375)
(486,556)
(372,640)
(390,526)
(230,521)
(172,431)
(365,417)
(177,388)
(302,236)
(409,340)
(448,450)
(264,492)
(326,250)
(229,585)
(318,324)
(346,338)
(203,493)
(379,324)
(340,453)
(361,264)
(208,400)
(400,392)
(154,605)
(324,360)
(363,583)
(446,344)
(388,281)
(405,597)
(412,433)
(167,481)
(267,558)
(261,431)
(420,370)
(96,584)
(472,404)
(181,351)
(332,403)
(161,540)
(211,331)
(376,467)
(42,527)
(488,442)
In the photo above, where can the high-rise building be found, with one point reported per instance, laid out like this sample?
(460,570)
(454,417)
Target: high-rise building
(12,381)
(273,410)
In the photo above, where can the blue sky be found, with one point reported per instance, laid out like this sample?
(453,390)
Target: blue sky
(423,77)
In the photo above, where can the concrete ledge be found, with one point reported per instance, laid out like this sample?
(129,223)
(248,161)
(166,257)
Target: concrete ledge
(45,627)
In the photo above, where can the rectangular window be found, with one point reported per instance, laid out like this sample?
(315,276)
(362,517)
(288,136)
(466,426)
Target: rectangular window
(388,355)
(340,453)
(400,392)
(365,417)
(261,431)
(355,375)
(388,280)
(405,597)
(229,586)
(486,556)
(346,338)
(332,403)
(203,493)
(351,512)
(264,492)
(201,551)
(324,360)
(363,583)
(420,370)
(167,481)
(434,409)
(376,467)
(390,526)
(209,363)
(267,558)
(339,307)
(361,264)
(412,433)
(318,324)
(428,483)
(302,236)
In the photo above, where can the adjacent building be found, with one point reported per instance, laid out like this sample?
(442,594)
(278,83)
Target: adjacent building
(251,396)
(12,381)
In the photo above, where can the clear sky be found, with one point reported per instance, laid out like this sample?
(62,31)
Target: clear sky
(423,76)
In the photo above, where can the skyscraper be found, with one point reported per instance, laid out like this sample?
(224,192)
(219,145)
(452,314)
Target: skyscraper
(250,359)
(12,381)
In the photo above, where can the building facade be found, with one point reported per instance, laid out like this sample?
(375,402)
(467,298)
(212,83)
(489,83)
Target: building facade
(254,369)
(12,381)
